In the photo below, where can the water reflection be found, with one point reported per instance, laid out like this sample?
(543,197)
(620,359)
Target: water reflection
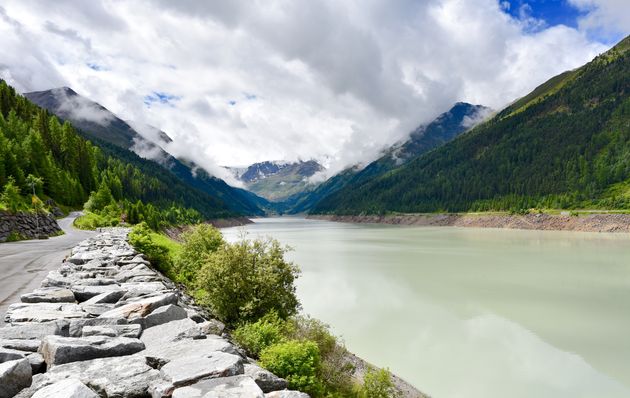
(471,313)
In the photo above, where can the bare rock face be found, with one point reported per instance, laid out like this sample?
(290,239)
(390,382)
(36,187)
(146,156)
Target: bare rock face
(14,376)
(58,350)
(226,387)
(67,388)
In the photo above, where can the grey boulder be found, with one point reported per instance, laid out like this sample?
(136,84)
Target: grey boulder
(184,371)
(141,308)
(67,388)
(14,376)
(49,295)
(266,380)
(225,387)
(59,350)
(164,314)
(286,394)
(27,331)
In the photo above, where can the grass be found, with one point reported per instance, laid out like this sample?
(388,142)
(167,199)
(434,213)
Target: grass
(173,247)
(92,221)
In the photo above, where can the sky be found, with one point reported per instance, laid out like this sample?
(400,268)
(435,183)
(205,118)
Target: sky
(241,81)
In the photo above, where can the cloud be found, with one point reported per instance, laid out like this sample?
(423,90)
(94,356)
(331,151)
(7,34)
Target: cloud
(607,18)
(81,108)
(240,82)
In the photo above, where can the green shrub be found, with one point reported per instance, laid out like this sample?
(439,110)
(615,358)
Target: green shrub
(243,281)
(377,383)
(141,238)
(15,236)
(335,371)
(265,332)
(296,361)
(11,198)
(198,242)
(100,199)
(97,220)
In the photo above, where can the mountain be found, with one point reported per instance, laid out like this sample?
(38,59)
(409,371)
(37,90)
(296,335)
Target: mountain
(104,128)
(276,181)
(565,145)
(424,138)
(34,142)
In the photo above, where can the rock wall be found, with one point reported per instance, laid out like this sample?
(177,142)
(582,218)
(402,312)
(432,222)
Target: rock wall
(26,225)
(105,324)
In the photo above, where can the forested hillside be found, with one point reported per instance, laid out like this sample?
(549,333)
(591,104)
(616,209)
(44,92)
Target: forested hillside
(566,145)
(67,168)
(442,129)
(97,124)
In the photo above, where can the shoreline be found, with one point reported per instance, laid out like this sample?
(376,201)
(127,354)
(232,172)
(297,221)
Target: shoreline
(615,223)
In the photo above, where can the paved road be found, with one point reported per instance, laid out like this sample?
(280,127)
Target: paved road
(24,264)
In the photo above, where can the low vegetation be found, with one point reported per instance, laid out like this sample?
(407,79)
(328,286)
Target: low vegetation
(251,287)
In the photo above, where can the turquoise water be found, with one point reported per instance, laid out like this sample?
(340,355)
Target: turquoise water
(464,312)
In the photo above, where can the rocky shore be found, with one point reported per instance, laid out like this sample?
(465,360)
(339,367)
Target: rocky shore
(583,222)
(105,324)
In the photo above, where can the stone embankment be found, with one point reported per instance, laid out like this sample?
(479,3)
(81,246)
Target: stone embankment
(548,222)
(105,324)
(27,225)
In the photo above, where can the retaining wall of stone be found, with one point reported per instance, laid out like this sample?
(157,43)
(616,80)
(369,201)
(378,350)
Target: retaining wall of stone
(27,225)
(105,324)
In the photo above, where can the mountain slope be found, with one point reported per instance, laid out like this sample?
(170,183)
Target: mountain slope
(34,142)
(444,128)
(101,126)
(565,145)
(276,181)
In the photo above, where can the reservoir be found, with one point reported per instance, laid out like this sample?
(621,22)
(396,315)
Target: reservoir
(476,313)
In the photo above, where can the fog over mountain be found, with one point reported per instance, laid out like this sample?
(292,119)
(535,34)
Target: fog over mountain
(240,82)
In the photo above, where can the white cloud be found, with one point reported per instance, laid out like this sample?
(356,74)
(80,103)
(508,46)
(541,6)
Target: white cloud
(607,17)
(258,80)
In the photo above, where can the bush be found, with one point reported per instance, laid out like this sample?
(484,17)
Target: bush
(198,242)
(335,371)
(265,332)
(141,238)
(11,198)
(378,384)
(243,281)
(296,361)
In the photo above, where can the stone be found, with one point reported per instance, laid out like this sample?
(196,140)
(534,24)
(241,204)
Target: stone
(184,371)
(94,310)
(49,295)
(38,365)
(7,354)
(59,350)
(56,279)
(83,257)
(142,307)
(76,325)
(14,376)
(120,377)
(110,297)
(266,380)
(27,331)
(67,388)
(213,326)
(163,315)
(42,312)
(84,293)
(30,345)
(286,394)
(195,316)
(225,387)
(132,331)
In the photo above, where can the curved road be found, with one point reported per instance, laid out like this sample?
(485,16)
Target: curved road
(24,264)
